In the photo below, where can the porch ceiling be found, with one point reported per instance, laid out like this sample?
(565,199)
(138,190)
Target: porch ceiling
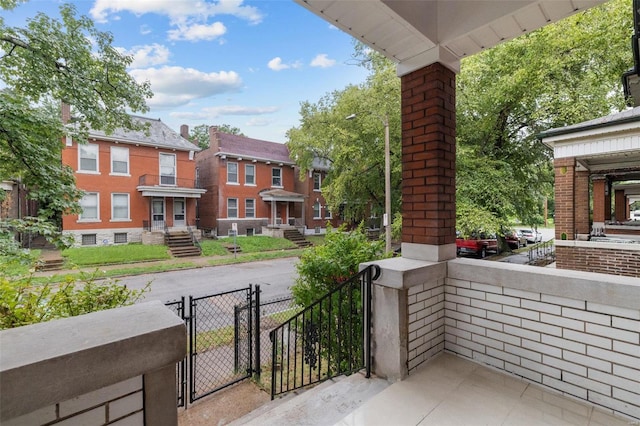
(175,192)
(415,34)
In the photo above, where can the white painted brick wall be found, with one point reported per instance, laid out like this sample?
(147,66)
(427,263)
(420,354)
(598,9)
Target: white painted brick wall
(584,349)
(122,401)
(426,307)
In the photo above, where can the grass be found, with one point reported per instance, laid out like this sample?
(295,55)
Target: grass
(108,255)
(252,244)
(253,257)
(214,338)
(317,240)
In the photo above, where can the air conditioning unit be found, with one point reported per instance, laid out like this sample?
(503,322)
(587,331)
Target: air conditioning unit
(279,221)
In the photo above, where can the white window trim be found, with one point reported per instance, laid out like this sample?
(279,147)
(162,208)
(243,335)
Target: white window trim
(237,208)
(233,182)
(89,172)
(124,149)
(281,178)
(91,220)
(175,169)
(128,219)
(254,175)
(319,210)
(254,208)
(319,182)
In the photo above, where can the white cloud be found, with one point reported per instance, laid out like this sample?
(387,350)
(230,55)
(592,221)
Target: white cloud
(178,11)
(215,112)
(259,122)
(145,29)
(175,86)
(147,55)
(276,64)
(198,32)
(322,60)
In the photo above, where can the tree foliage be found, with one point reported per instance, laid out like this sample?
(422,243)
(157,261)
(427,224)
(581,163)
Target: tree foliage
(52,61)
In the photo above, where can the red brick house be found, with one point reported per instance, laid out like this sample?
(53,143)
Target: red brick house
(255,185)
(136,183)
(597,178)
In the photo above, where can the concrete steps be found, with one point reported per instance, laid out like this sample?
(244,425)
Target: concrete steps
(181,245)
(324,404)
(297,238)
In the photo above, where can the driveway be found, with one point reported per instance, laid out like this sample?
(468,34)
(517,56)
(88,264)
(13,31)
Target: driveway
(275,278)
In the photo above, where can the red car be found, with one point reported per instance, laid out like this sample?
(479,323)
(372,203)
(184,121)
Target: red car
(477,244)
(515,239)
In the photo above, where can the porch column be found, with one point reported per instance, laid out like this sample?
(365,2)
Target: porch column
(620,206)
(599,199)
(581,206)
(429,164)
(273,212)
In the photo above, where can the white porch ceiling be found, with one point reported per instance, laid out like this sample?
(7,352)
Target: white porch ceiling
(417,33)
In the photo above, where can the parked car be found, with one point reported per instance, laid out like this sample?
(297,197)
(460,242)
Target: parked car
(515,239)
(532,235)
(477,244)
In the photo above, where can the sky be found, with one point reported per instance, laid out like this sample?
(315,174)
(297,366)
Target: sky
(248,64)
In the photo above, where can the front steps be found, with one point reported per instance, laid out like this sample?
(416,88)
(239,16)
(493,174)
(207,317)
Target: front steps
(181,245)
(325,404)
(297,238)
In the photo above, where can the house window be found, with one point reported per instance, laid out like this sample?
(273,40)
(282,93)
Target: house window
(119,160)
(327,213)
(88,158)
(232,172)
(232,207)
(276,176)
(249,207)
(249,174)
(317,181)
(167,169)
(251,232)
(88,239)
(316,210)
(120,206)
(89,205)
(120,238)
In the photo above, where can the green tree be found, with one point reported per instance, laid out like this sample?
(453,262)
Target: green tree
(562,74)
(199,135)
(354,149)
(52,61)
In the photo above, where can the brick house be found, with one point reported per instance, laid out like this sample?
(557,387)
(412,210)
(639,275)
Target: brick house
(255,184)
(137,184)
(597,163)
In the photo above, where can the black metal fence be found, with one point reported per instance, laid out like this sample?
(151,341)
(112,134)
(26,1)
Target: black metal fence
(177,307)
(329,338)
(543,252)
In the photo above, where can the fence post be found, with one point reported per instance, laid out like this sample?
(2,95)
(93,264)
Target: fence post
(257,369)
(236,332)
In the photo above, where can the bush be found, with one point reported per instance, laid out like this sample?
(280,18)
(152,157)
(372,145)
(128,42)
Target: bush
(23,303)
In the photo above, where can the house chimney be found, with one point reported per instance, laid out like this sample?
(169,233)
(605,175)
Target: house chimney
(66,112)
(184,131)
(214,141)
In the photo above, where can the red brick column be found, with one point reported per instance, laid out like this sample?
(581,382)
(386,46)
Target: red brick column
(564,192)
(620,206)
(581,203)
(599,199)
(428,163)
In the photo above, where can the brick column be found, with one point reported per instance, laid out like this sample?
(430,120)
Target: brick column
(428,164)
(581,203)
(620,206)
(599,198)
(564,193)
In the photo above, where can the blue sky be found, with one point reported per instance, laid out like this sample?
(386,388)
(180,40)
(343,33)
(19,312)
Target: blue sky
(248,64)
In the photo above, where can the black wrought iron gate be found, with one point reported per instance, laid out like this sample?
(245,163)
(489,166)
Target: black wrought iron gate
(223,341)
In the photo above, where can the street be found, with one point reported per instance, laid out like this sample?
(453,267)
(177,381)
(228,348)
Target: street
(275,277)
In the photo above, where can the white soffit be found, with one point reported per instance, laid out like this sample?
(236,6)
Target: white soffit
(416,33)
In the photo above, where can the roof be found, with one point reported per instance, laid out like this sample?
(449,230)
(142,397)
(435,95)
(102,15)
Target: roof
(242,146)
(158,135)
(626,116)
(281,195)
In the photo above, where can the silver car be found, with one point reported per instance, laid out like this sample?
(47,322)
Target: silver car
(531,235)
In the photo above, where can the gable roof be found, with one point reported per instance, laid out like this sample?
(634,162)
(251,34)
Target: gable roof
(242,146)
(158,135)
(626,116)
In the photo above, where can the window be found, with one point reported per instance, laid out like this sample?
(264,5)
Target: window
(120,206)
(316,210)
(276,177)
(327,213)
(249,174)
(249,207)
(88,158)
(232,172)
(120,238)
(167,169)
(232,207)
(89,205)
(317,181)
(250,232)
(119,160)
(88,239)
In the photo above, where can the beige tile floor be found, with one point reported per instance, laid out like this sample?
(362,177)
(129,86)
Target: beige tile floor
(453,391)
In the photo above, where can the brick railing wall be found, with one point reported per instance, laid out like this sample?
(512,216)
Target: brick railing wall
(615,259)
(579,342)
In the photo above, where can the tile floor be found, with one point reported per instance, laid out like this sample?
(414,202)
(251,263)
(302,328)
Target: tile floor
(453,391)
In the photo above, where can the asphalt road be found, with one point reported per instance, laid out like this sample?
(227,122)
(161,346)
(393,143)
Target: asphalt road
(275,277)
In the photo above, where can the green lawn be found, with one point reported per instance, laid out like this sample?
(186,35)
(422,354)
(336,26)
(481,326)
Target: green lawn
(252,244)
(109,255)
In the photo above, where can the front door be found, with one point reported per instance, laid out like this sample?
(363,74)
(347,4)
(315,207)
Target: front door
(157,213)
(179,212)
